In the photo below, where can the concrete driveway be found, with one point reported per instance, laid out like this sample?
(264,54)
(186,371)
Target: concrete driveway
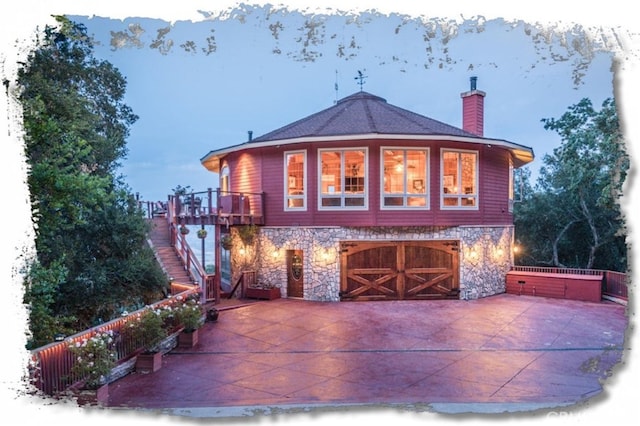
(501,353)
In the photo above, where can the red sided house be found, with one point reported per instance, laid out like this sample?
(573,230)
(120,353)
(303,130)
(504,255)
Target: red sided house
(365,200)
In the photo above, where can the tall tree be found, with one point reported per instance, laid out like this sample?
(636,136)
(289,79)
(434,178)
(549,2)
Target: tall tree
(91,256)
(574,218)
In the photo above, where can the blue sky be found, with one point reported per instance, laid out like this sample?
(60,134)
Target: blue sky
(191,103)
(258,79)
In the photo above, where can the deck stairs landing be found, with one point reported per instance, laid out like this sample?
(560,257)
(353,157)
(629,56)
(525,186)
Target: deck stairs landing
(165,253)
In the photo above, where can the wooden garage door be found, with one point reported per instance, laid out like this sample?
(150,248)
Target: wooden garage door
(397,270)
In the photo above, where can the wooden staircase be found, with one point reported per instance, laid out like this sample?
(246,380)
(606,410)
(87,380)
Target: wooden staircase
(168,258)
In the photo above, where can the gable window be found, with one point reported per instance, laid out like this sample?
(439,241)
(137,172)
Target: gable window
(459,179)
(405,178)
(295,180)
(343,178)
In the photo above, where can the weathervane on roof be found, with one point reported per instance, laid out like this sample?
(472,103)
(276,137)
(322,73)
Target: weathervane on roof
(360,77)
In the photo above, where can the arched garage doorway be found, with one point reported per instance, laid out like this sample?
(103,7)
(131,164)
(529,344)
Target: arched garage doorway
(399,270)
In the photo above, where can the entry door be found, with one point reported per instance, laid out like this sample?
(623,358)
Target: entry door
(295,273)
(398,270)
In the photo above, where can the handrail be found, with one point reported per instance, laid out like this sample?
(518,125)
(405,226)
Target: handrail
(188,257)
(51,366)
(209,205)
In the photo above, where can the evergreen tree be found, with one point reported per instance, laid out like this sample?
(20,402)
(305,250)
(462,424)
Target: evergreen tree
(91,255)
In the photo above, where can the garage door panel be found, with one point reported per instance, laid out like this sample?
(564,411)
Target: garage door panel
(399,270)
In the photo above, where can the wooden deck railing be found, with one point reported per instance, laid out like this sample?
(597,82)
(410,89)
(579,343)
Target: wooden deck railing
(209,207)
(192,264)
(50,366)
(614,284)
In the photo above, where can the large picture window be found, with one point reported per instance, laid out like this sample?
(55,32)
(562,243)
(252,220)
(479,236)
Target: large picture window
(343,178)
(459,179)
(405,178)
(295,180)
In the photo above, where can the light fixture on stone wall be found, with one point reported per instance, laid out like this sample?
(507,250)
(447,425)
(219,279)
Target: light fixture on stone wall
(325,255)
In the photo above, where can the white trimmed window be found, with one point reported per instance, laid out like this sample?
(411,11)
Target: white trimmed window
(405,178)
(511,185)
(295,180)
(342,178)
(225,184)
(459,179)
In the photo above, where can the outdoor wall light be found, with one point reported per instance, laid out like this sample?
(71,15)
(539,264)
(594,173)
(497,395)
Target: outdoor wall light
(242,251)
(275,253)
(325,255)
(473,254)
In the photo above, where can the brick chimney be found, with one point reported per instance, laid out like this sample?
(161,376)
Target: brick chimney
(473,109)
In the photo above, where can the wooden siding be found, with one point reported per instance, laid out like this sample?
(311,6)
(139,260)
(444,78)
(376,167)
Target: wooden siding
(261,170)
(559,286)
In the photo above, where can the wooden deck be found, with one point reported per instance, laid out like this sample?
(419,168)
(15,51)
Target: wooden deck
(209,207)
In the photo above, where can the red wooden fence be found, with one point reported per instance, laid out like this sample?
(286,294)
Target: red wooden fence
(50,366)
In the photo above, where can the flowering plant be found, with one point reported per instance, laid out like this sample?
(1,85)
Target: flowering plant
(189,315)
(148,328)
(226,241)
(95,356)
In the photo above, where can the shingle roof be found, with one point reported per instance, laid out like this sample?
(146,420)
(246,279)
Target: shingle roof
(362,113)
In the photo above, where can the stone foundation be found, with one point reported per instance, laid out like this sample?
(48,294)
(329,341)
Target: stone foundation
(485,255)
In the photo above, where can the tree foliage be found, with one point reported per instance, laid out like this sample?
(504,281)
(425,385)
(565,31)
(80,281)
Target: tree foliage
(573,218)
(91,257)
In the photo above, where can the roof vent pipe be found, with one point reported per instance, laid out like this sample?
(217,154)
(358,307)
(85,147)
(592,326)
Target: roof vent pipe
(250,132)
(474,81)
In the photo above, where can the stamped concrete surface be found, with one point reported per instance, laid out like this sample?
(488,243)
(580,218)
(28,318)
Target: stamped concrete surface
(518,352)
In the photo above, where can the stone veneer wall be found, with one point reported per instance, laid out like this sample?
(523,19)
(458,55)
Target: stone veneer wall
(485,255)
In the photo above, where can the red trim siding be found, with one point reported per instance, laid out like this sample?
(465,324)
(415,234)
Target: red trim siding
(261,170)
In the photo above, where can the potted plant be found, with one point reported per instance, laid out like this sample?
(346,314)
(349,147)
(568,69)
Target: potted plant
(184,230)
(202,233)
(148,329)
(248,234)
(190,316)
(95,356)
(226,242)
(261,290)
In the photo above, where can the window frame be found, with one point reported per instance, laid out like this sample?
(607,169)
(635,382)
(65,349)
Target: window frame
(512,184)
(342,195)
(225,179)
(286,182)
(459,196)
(406,195)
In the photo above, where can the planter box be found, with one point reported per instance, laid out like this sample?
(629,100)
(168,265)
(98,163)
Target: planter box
(262,293)
(187,339)
(92,397)
(149,363)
